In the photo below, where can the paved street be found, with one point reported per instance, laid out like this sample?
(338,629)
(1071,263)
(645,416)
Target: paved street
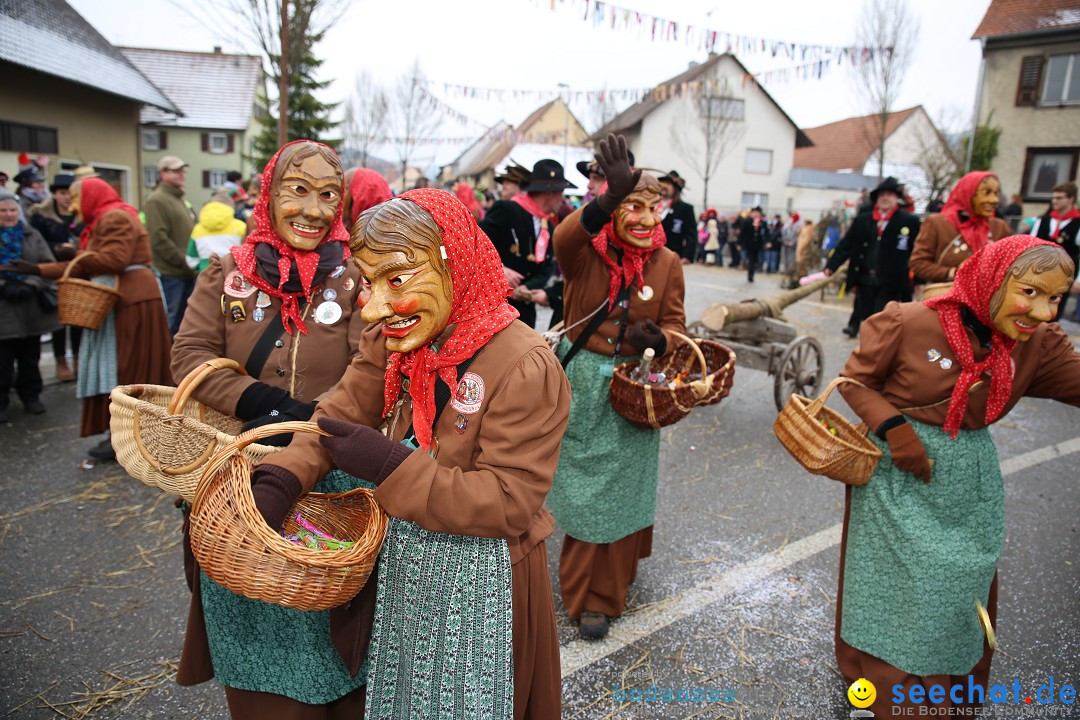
(738,595)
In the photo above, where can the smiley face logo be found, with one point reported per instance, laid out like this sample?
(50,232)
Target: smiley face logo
(862,693)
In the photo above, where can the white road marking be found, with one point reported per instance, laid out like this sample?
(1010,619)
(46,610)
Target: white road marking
(580,654)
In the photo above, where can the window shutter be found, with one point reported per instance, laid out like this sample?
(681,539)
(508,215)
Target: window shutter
(232,145)
(205,139)
(1027,93)
(205,176)
(163,139)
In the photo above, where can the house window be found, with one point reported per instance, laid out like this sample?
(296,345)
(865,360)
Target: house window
(755,199)
(150,175)
(727,108)
(1046,167)
(758,161)
(214,178)
(1062,80)
(151,140)
(217,143)
(18,137)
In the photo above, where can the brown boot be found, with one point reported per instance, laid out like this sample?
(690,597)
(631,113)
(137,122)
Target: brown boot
(63,372)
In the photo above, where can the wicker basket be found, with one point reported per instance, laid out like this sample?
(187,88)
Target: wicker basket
(847,456)
(83,303)
(238,550)
(164,440)
(652,407)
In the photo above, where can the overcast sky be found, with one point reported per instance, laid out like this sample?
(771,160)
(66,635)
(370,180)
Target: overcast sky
(524,44)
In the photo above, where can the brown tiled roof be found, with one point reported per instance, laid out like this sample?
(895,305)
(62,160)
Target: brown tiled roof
(636,113)
(845,144)
(1014,17)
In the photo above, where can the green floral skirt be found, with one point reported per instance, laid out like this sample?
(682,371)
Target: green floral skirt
(919,557)
(605,486)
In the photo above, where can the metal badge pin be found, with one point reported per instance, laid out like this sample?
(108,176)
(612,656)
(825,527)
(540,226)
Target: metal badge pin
(946,363)
(645,293)
(460,423)
(329,294)
(338,271)
(262,300)
(328,313)
(258,315)
(348,284)
(933,355)
(237,311)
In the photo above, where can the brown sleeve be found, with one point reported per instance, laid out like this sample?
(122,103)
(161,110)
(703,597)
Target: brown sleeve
(672,313)
(202,338)
(357,398)
(1000,229)
(1058,375)
(571,241)
(871,363)
(113,243)
(519,450)
(927,248)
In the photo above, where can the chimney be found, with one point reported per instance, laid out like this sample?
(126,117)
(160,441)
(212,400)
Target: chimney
(217,49)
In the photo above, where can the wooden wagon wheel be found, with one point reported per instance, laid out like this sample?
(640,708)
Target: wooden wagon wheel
(801,370)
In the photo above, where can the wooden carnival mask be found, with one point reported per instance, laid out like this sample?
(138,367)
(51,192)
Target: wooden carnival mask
(987,196)
(1033,289)
(407,286)
(638,215)
(305,193)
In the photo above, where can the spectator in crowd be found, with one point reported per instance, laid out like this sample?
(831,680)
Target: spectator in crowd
(31,190)
(753,234)
(54,219)
(804,248)
(27,308)
(935,205)
(216,232)
(789,237)
(678,221)
(421,182)
(865,204)
(1061,224)
(511,181)
(1015,208)
(521,230)
(772,245)
(170,222)
(878,245)
(4,177)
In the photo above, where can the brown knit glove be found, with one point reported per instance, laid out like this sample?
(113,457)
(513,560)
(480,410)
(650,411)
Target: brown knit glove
(275,490)
(908,452)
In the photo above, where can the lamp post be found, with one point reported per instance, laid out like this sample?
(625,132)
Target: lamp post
(566,131)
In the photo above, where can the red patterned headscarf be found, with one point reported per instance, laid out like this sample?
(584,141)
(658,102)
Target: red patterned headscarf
(97,197)
(977,279)
(306,261)
(479,309)
(976,229)
(366,190)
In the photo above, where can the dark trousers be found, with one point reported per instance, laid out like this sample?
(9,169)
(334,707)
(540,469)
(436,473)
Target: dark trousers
(872,299)
(59,340)
(26,380)
(752,262)
(734,248)
(177,290)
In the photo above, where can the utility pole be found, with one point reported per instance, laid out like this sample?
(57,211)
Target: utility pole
(283,84)
(566,132)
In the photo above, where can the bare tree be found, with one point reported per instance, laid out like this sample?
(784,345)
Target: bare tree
(937,157)
(889,29)
(365,117)
(413,115)
(710,125)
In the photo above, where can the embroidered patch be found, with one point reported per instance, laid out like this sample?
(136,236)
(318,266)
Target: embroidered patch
(237,286)
(469,395)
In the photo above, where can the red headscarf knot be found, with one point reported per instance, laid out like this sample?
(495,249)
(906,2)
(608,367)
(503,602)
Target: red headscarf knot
(977,279)
(479,309)
(633,258)
(307,261)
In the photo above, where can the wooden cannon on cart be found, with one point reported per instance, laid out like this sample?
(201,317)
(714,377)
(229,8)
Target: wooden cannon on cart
(763,340)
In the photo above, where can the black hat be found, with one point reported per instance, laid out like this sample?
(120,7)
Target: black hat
(28,176)
(547,176)
(515,174)
(61,182)
(889,184)
(587,167)
(675,179)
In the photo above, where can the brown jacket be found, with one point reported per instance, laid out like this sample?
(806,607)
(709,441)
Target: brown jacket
(119,241)
(892,361)
(940,247)
(490,479)
(207,332)
(587,286)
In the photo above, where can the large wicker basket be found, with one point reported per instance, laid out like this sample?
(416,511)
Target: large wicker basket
(238,550)
(83,303)
(165,439)
(652,407)
(847,455)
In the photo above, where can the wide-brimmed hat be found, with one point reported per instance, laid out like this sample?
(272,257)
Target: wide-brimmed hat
(86,171)
(547,176)
(889,184)
(588,167)
(61,182)
(675,179)
(514,173)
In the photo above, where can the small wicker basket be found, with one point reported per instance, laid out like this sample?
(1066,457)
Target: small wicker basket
(164,440)
(652,407)
(847,455)
(83,303)
(238,550)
